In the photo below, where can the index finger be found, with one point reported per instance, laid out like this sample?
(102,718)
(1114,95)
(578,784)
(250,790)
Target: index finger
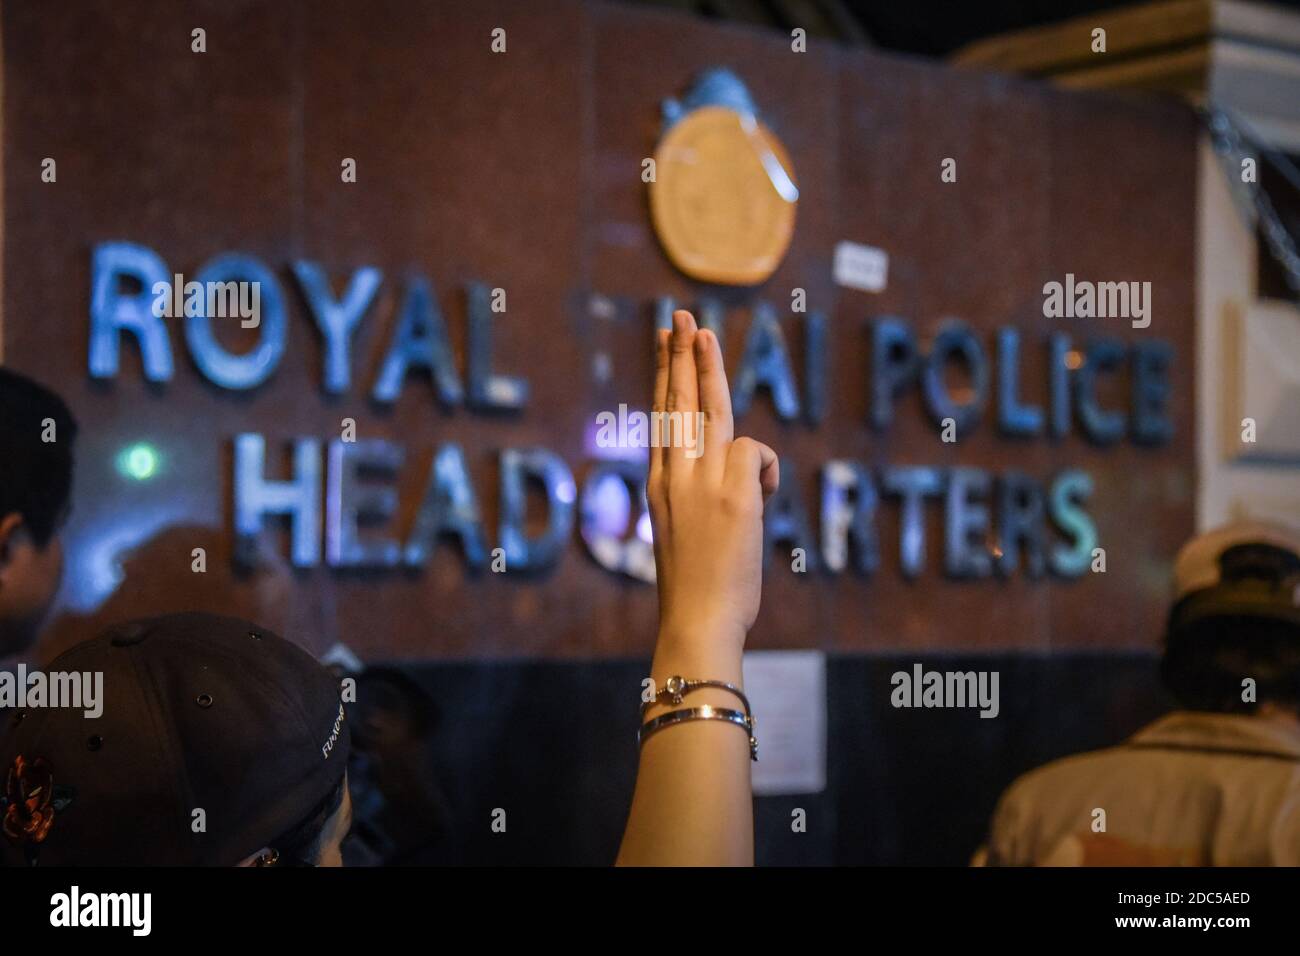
(715,396)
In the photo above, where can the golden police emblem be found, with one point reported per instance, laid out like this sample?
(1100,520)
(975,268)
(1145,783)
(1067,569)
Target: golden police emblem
(723,196)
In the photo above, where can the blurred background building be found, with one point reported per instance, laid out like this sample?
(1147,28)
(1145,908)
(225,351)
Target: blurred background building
(522,170)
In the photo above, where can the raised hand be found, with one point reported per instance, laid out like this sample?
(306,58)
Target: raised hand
(693,803)
(706,500)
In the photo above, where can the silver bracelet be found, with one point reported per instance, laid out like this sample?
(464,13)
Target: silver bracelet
(677,687)
(705,712)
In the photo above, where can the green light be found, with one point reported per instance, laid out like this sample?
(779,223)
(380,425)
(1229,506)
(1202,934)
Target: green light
(138,462)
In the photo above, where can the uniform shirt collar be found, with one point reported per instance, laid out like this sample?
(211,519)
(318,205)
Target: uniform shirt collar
(1233,733)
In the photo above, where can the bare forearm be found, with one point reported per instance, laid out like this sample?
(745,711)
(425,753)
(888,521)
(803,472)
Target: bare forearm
(693,802)
(693,805)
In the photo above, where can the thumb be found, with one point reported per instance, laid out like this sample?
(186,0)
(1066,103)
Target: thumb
(749,459)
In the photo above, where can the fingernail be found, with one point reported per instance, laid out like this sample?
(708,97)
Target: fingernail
(701,343)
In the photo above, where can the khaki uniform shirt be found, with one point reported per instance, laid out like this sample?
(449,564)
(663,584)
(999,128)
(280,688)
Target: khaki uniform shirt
(1191,789)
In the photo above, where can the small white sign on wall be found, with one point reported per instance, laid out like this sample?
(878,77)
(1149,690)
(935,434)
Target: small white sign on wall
(787,690)
(861,267)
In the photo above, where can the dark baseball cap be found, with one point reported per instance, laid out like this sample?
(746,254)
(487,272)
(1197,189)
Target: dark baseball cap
(199,713)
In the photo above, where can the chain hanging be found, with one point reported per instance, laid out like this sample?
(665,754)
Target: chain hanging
(1234,145)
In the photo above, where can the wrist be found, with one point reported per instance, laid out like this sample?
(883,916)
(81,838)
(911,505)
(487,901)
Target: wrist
(711,628)
(708,653)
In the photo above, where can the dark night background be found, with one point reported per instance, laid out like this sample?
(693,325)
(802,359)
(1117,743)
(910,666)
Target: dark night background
(926,27)
(534,685)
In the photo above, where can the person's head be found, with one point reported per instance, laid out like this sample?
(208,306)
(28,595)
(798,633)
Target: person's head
(36,437)
(316,839)
(1232,644)
(205,741)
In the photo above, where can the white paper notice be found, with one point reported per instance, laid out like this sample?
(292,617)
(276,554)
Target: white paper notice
(861,267)
(787,690)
